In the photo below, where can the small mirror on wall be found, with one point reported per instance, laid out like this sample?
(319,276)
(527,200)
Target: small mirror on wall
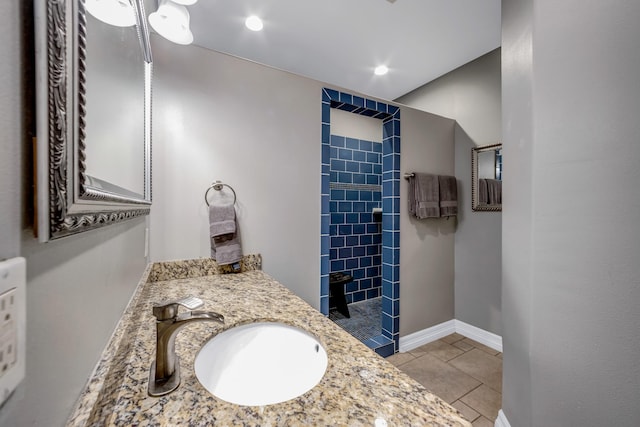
(486,178)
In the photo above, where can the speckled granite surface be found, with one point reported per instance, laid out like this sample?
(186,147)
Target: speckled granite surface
(357,388)
(184,269)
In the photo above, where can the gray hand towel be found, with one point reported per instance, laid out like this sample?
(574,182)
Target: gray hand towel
(222,219)
(412,195)
(448,195)
(483,196)
(224,234)
(226,249)
(494,191)
(425,200)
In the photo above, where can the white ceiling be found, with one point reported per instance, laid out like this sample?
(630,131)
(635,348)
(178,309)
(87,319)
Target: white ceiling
(341,41)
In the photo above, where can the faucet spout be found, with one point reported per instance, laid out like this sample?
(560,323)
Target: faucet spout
(192,316)
(164,376)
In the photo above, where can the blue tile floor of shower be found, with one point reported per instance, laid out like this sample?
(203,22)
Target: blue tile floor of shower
(365,323)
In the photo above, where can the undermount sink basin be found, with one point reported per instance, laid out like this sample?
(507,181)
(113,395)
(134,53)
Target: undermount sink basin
(261,364)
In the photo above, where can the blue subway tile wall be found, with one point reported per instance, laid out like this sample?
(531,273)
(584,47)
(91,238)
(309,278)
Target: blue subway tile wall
(351,203)
(391,227)
(349,189)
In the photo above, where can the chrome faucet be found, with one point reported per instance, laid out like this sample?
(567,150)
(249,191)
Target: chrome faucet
(164,373)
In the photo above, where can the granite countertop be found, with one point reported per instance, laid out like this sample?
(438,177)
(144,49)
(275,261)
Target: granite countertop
(358,388)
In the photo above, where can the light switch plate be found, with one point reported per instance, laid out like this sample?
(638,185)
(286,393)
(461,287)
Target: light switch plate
(13,277)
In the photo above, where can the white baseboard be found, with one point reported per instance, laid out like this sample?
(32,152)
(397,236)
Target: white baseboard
(415,340)
(425,336)
(483,337)
(502,420)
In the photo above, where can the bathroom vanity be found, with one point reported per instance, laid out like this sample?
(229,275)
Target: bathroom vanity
(358,388)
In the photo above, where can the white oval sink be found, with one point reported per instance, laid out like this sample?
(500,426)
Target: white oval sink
(261,364)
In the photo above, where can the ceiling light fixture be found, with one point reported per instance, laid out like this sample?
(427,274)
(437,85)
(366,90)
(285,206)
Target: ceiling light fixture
(254,23)
(186,2)
(381,70)
(119,13)
(171,21)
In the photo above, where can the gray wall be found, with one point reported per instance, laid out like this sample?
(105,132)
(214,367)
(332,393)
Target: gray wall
(258,129)
(426,246)
(471,95)
(344,123)
(10,128)
(571,277)
(77,288)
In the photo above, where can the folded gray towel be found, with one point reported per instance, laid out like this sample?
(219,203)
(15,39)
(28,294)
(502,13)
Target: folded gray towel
(494,191)
(448,195)
(483,195)
(224,234)
(222,227)
(411,197)
(226,249)
(222,219)
(424,196)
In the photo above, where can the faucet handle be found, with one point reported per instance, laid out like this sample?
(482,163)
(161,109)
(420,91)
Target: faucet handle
(169,310)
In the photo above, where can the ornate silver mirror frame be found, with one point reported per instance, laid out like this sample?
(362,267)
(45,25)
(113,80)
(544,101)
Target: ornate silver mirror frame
(494,152)
(70,201)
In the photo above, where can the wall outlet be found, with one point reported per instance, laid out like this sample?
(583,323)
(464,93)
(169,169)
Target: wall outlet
(12,325)
(8,330)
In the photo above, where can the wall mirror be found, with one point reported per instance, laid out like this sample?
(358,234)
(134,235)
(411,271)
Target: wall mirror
(93,96)
(486,178)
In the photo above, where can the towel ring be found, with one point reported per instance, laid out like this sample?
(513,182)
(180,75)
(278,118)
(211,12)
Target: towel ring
(218,186)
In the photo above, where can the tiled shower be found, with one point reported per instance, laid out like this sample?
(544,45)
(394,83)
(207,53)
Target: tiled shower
(351,188)
(356,232)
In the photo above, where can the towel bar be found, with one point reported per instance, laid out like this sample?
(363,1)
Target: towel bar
(218,185)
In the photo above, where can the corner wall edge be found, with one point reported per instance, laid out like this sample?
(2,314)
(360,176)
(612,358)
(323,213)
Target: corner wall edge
(501,420)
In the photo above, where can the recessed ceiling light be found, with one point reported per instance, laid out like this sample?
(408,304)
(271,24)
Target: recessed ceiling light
(253,23)
(381,70)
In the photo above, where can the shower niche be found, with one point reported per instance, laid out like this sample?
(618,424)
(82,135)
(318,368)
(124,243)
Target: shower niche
(360,217)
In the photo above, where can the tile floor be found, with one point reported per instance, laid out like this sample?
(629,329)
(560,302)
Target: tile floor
(365,321)
(463,372)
